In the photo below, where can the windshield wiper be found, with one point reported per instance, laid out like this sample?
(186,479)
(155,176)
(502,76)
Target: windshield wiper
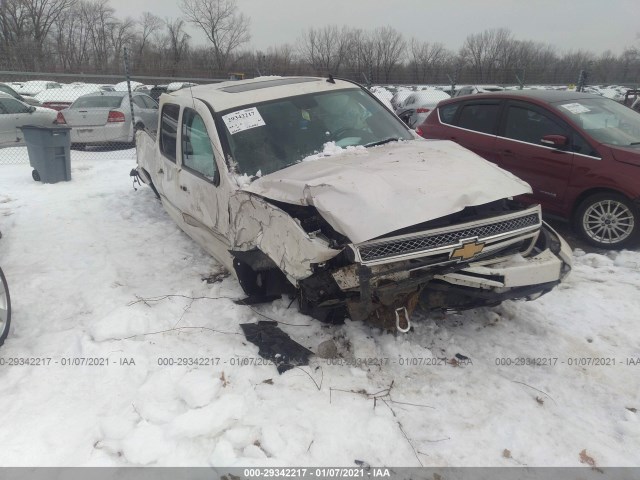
(381,142)
(634,143)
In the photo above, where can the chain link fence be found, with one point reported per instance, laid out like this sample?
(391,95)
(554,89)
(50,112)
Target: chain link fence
(103,119)
(96,107)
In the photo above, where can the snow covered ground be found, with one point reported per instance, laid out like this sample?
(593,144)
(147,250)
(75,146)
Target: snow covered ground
(80,255)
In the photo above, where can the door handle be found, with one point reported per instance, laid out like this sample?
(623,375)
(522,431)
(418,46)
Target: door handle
(183,188)
(507,152)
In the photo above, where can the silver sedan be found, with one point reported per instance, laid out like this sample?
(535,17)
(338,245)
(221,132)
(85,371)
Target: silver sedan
(15,114)
(103,118)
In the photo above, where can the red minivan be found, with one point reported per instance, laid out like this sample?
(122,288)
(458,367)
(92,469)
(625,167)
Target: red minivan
(579,152)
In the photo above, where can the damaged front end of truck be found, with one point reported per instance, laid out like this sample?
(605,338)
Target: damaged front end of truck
(320,226)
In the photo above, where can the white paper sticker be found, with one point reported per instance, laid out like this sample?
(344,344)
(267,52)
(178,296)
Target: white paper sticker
(243,120)
(575,108)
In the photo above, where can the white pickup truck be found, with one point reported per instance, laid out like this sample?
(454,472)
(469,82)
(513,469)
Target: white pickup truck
(311,187)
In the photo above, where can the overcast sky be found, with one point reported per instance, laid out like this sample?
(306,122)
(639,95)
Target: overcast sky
(595,25)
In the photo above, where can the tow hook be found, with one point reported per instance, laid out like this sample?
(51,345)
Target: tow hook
(403,324)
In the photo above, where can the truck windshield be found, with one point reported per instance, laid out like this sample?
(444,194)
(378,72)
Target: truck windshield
(273,135)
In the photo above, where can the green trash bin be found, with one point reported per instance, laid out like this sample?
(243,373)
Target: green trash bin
(49,152)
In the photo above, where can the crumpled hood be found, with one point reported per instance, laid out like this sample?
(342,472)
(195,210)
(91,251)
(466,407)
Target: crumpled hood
(365,193)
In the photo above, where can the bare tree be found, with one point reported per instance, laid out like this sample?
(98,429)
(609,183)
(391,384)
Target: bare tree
(178,42)
(390,49)
(71,36)
(42,14)
(14,32)
(150,24)
(426,59)
(224,26)
(486,51)
(326,48)
(122,34)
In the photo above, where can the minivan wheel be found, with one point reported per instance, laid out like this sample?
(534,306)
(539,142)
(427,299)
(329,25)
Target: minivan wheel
(608,220)
(5,308)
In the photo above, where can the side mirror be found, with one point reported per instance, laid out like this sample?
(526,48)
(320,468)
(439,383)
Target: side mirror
(556,141)
(32,109)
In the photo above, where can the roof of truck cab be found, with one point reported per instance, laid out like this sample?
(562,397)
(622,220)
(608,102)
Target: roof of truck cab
(238,93)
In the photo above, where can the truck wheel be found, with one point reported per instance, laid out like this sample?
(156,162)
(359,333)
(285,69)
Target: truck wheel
(5,308)
(35,175)
(608,220)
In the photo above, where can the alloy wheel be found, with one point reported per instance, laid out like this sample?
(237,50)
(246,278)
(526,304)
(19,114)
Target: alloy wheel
(608,221)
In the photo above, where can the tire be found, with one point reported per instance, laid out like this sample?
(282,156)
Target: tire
(608,220)
(5,308)
(35,175)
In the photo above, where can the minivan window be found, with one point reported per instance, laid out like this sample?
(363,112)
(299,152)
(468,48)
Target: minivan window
(447,112)
(605,120)
(530,126)
(580,145)
(479,117)
(169,130)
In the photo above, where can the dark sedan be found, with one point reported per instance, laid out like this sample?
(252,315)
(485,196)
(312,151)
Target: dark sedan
(579,152)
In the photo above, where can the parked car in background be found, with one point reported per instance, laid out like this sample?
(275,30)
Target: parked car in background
(399,97)
(579,152)
(33,87)
(156,91)
(475,89)
(15,114)
(61,98)
(4,88)
(105,118)
(418,105)
(312,187)
(175,86)
(122,86)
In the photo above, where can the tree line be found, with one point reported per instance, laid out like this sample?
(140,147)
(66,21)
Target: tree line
(87,36)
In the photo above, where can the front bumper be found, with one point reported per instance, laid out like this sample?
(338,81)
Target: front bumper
(550,265)
(369,291)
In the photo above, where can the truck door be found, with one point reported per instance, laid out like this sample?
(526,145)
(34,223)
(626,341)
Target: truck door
(166,166)
(203,196)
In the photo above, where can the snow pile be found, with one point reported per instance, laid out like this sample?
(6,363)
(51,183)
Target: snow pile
(91,263)
(331,149)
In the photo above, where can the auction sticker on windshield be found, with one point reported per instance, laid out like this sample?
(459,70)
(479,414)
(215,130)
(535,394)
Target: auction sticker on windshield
(243,120)
(575,108)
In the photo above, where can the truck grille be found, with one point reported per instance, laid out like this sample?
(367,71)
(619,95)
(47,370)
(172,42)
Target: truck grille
(374,251)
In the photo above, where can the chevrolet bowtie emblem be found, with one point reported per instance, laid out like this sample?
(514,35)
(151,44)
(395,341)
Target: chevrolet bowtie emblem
(467,250)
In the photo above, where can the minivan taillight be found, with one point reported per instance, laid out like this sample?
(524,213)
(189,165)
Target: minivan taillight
(423,110)
(60,119)
(115,117)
